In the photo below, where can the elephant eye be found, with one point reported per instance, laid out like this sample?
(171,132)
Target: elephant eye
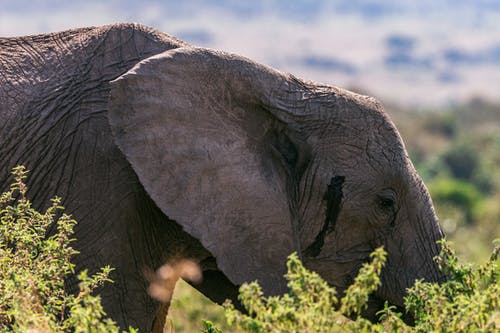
(387,200)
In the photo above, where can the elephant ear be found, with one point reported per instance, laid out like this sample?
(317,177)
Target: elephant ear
(198,129)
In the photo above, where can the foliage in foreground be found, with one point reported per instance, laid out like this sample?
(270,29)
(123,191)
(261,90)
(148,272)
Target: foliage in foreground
(33,268)
(468,302)
(310,303)
(33,298)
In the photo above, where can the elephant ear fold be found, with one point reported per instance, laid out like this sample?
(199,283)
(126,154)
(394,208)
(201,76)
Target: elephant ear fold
(195,126)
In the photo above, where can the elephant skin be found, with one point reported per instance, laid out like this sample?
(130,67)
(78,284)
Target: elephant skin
(162,151)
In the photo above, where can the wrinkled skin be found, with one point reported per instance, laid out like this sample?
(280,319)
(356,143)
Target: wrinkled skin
(161,150)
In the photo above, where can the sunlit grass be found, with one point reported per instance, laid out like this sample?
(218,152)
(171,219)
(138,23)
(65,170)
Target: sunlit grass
(189,308)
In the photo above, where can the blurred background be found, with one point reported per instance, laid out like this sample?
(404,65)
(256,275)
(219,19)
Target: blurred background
(417,53)
(434,64)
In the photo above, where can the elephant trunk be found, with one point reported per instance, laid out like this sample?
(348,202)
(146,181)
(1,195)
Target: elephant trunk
(412,250)
(428,233)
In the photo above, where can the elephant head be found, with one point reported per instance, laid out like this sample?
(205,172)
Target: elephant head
(256,164)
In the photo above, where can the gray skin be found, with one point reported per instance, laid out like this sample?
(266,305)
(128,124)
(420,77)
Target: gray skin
(162,150)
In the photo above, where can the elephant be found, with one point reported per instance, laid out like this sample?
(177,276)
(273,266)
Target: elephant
(163,150)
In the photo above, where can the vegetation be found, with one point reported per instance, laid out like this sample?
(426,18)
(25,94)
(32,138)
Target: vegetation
(468,302)
(189,308)
(310,304)
(457,153)
(33,268)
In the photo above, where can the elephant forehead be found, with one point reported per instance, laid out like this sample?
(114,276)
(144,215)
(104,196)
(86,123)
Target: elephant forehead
(376,145)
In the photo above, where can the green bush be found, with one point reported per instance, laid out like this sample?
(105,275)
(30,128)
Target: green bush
(33,268)
(472,160)
(468,302)
(34,265)
(311,303)
(460,194)
(440,123)
(462,160)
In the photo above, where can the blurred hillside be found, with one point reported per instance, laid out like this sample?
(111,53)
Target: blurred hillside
(457,153)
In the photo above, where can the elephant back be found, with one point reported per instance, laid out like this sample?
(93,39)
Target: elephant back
(53,101)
